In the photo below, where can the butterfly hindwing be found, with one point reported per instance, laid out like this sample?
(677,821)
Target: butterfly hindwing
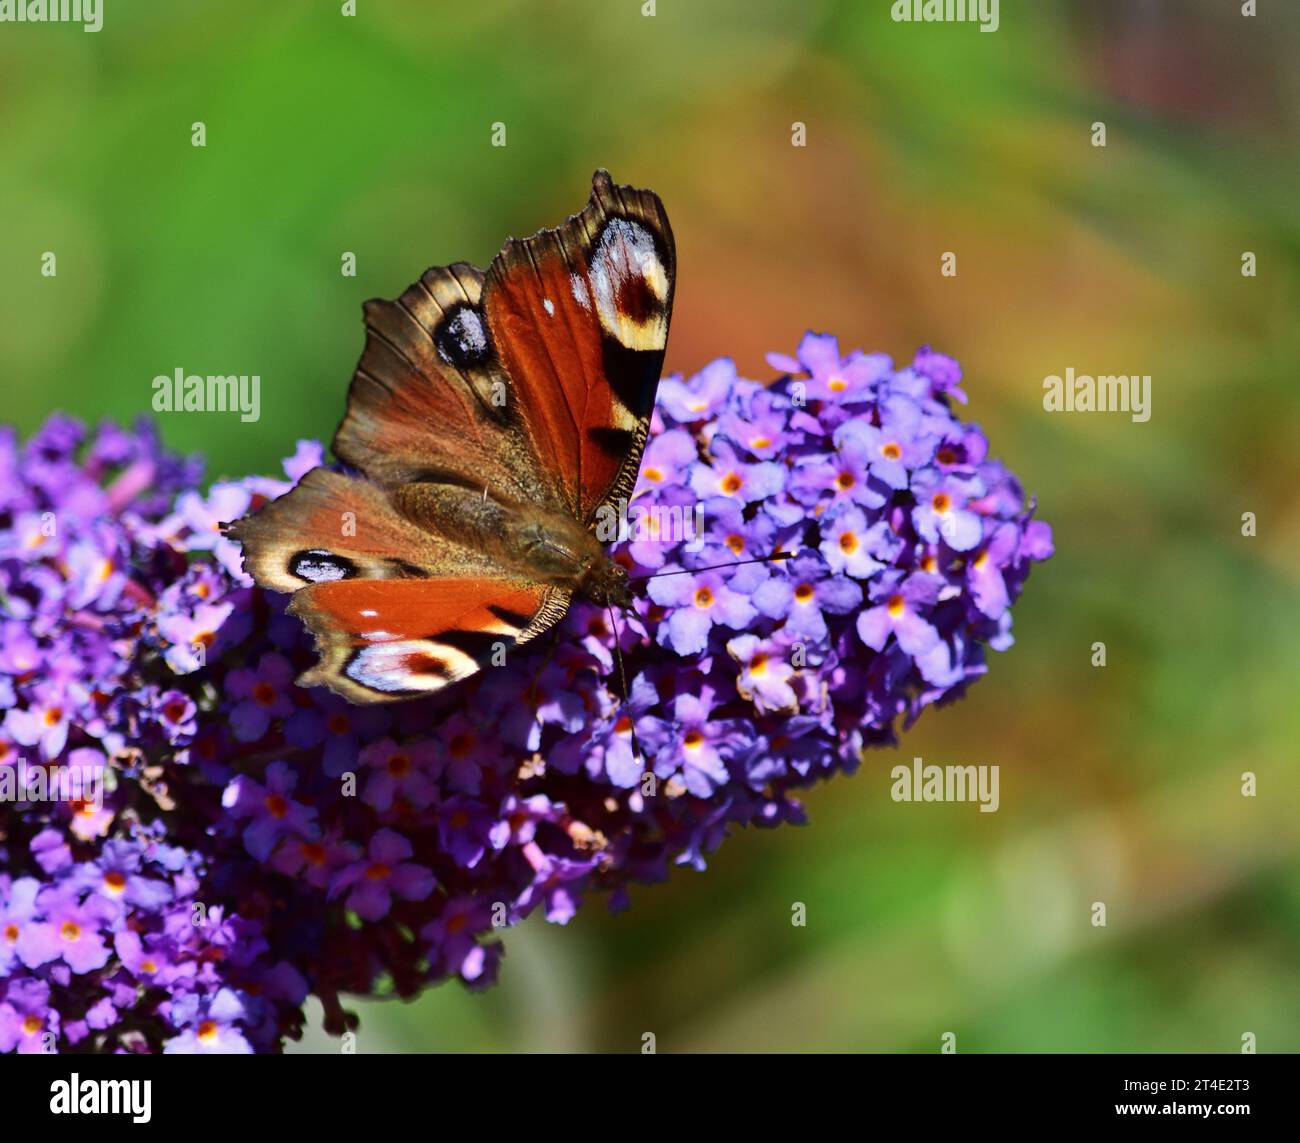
(383,640)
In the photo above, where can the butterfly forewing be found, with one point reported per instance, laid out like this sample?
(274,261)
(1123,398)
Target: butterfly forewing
(580,319)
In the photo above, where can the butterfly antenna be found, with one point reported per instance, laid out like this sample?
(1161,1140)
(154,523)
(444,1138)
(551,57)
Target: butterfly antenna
(627,694)
(775,556)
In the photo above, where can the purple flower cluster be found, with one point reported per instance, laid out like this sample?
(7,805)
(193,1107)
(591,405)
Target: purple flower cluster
(192,845)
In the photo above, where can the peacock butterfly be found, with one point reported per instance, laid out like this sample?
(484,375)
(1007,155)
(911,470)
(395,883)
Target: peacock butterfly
(490,419)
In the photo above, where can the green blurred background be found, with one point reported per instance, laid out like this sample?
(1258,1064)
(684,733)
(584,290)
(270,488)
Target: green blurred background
(371,134)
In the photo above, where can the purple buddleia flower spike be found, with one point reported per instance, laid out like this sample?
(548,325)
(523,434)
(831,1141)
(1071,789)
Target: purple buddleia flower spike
(224,844)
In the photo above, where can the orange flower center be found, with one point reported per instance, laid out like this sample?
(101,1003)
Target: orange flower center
(378,871)
(981,561)
(70,931)
(654,475)
(276,805)
(338,724)
(761,442)
(929,564)
(837,384)
(845,481)
(149,967)
(704,599)
(32,1025)
(946,456)
(758,664)
(313,853)
(891,451)
(264,693)
(848,543)
(731,484)
(941,502)
(804,592)
(11,934)
(53,716)
(114,882)
(399,764)
(208,1031)
(896,605)
(735,543)
(693,740)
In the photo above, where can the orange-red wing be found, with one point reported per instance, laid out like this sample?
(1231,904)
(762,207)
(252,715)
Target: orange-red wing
(578,318)
(399,638)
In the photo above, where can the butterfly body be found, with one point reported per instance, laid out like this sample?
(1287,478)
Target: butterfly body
(493,415)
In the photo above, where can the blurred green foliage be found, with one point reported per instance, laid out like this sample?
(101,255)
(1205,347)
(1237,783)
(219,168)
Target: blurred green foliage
(371,134)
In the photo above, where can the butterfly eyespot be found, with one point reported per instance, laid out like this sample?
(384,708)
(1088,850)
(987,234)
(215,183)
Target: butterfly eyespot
(319,566)
(406,666)
(630,285)
(462,338)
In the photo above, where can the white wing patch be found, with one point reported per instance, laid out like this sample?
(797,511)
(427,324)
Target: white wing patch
(579,288)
